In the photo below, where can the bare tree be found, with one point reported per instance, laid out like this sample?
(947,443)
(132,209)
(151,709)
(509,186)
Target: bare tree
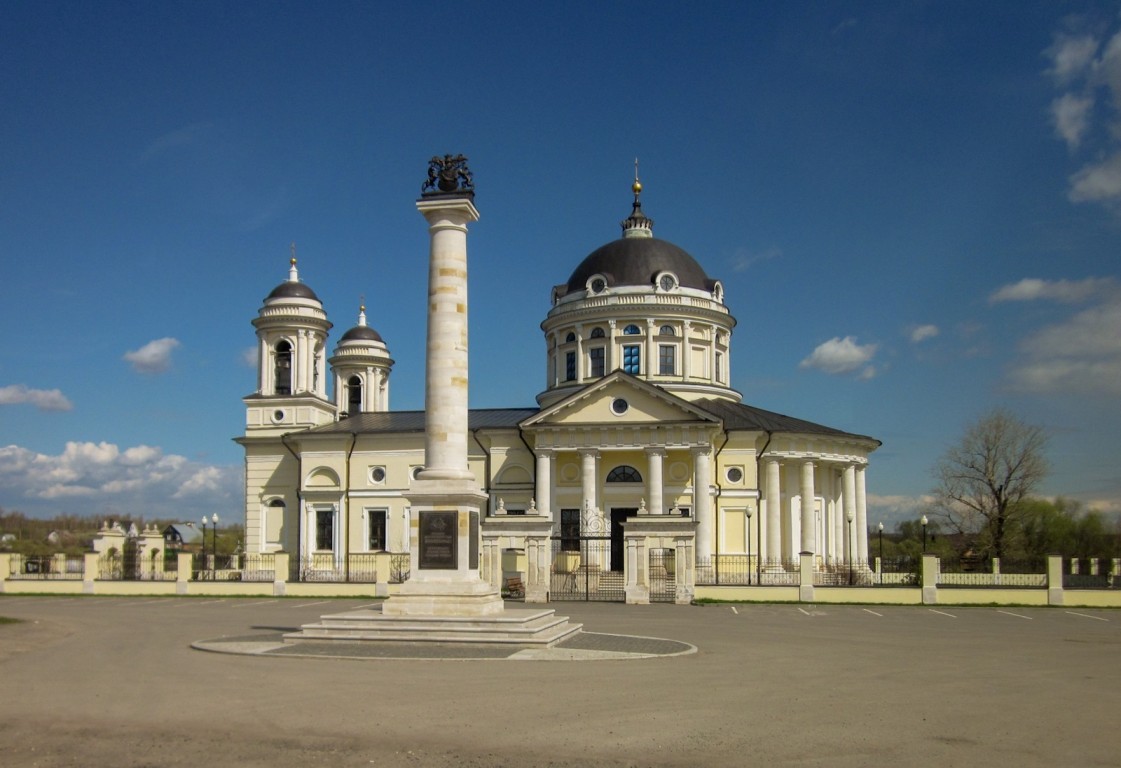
(983,480)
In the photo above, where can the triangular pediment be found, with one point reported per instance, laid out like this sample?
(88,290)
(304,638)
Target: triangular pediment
(616,400)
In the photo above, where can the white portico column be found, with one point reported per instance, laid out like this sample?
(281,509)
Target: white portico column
(588,479)
(702,501)
(861,518)
(808,543)
(445,394)
(850,511)
(774,511)
(544,486)
(654,457)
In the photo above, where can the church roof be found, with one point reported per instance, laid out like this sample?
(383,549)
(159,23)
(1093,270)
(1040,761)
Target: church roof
(413,421)
(291,289)
(636,261)
(741,416)
(361,333)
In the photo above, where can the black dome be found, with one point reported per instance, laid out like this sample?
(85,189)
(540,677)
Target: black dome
(291,289)
(635,261)
(361,333)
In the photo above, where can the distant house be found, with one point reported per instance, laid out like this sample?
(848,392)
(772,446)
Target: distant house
(181,536)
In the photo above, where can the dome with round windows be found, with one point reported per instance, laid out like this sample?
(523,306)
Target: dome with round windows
(638,261)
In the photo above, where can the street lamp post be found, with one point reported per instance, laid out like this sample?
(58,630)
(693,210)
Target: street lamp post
(749,511)
(924,522)
(881,552)
(203,567)
(213,544)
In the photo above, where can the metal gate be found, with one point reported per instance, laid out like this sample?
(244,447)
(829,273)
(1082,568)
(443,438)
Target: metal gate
(585,568)
(662,572)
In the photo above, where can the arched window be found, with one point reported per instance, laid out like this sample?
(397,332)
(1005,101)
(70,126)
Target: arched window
(283,368)
(624,474)
(667,330)
(597,333)
(354,395)
(631,330)
(571,337)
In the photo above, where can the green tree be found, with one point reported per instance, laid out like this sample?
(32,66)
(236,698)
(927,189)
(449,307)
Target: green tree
(984,480)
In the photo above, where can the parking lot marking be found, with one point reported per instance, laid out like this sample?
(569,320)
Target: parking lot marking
(873,613)
(262,602)
(1017,615)
(943,613)
(735,611)
(212,602)
(1087,616)
(803,610)
(308,605)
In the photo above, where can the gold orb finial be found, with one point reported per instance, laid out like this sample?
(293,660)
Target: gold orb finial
(637,186)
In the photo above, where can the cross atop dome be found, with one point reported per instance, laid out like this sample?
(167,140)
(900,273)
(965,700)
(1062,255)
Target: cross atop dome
(637,224)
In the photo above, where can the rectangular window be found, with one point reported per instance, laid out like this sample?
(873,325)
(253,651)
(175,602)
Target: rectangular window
(632,359)
(667,359)
(596,362)
(377,530)
(719,366)
(570,366)
(325,529)
(570,530)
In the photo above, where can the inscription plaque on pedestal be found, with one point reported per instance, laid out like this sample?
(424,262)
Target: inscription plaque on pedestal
(438,540)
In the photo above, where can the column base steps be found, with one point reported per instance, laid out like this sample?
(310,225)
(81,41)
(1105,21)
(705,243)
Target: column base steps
(526,627)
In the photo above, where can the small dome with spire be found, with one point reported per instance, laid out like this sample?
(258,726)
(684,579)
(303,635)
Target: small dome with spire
(361,332)
(292,288)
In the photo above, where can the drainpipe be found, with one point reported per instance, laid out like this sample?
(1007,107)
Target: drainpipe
(715,502)
(346,500)
(486,466)
(759,508)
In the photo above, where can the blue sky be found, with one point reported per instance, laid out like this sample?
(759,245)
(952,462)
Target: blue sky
(915,209)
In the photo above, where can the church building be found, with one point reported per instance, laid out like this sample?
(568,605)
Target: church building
(637,421)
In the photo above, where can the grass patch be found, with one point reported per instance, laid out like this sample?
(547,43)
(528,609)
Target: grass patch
(7,620)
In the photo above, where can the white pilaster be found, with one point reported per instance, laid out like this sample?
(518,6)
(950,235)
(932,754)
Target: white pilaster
(861,518)
(654,458)
(544,485)
(774,511)
(807,540)
(588,479)
(850,552)
(702,501)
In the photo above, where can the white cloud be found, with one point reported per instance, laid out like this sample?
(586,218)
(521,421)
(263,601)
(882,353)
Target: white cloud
(1071,114)
(745,258)
(923,332)
(1097,182)
(894,509)
(1066,291)
(43,399)
(1079,355)
(153,357)
(1071,56)
(141,480)
(840,356)
(249,357)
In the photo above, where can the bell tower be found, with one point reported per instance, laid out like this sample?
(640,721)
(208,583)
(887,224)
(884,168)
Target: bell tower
(292,370)
(361,364)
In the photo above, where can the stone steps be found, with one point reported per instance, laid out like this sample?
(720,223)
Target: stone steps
(527,627)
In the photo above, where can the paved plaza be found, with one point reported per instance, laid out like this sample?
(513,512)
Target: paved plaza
(115,682)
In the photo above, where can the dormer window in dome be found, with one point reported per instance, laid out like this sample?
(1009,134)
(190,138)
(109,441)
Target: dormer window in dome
(283,368)
(631,330)
(667,330)
(666,282)
(596,285)
(571,337)
(718,292)
(597,333)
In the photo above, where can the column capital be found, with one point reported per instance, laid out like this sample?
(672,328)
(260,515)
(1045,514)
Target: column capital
(701,450)
(655,450)
(544,452)
(593,452)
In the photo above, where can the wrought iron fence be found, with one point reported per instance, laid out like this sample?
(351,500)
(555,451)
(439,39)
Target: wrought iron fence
(48,567)
(900,572)
(1091,573)
(258,567)
(356,568)
(971,571)
(745,570)
(856,574)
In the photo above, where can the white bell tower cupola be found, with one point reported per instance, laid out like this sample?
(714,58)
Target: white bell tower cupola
(292,381)
(361,364)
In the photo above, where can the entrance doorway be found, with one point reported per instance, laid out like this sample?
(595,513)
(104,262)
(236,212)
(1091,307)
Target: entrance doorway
(619,515)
